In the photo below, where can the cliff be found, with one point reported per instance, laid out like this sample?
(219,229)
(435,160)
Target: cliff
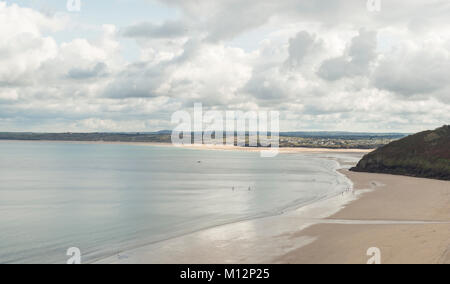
(425,154)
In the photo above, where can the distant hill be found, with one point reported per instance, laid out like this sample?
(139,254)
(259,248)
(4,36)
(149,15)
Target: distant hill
(426,154)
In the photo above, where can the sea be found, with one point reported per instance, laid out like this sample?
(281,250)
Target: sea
(107,198)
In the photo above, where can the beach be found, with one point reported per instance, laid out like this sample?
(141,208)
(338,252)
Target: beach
(406,218)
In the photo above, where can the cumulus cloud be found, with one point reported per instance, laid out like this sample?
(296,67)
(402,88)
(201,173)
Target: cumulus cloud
(356,60)
(326,65)
(301,47)
(170,29)
(97,70)
(225,19)
(411,72)
(203,72)
(23,48)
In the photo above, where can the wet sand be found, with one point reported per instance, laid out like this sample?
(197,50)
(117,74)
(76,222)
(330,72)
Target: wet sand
(247,242)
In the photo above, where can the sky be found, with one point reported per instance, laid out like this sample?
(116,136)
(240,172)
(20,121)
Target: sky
(336,65)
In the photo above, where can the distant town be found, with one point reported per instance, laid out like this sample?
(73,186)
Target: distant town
(337,143)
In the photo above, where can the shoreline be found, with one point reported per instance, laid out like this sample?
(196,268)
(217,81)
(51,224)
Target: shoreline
(282,150)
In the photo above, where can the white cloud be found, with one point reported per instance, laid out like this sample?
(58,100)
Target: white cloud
(302,47)
(415,70)
(23,48)
(325,64)
(356,60)
(8,95)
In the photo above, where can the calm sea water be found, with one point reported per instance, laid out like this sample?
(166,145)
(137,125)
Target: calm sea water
(105,199)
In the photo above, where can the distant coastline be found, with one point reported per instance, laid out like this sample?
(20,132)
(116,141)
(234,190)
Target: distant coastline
(315,140)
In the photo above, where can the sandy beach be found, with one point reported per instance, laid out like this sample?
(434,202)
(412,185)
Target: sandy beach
(396,201)
(406,218)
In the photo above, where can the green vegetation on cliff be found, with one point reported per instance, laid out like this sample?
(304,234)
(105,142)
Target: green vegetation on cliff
(426,154)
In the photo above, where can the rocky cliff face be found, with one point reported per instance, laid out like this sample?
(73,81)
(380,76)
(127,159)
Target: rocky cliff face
(426,154)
